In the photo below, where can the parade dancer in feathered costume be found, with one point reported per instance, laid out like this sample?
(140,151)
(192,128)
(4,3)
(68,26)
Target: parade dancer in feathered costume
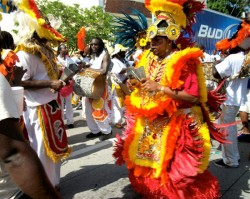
(166,143)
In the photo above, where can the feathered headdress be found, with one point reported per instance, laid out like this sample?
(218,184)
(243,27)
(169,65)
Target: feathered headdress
(6,6)
(179,16)
(241,38)
(29,19)
(129,31)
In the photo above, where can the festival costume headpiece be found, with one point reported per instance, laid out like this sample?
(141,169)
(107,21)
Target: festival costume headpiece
(6,6)
(131,32)
(241,38)
(179,16)
(30,19)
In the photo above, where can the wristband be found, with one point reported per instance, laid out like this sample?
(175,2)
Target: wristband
(63,82)
(162,89)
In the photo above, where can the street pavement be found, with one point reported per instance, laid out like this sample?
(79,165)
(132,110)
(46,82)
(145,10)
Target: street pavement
(90,171)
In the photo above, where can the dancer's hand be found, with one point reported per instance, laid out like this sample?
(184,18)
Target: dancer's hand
(133,83)
(150,86)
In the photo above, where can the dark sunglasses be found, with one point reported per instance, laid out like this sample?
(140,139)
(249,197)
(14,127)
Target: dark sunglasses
(94,44)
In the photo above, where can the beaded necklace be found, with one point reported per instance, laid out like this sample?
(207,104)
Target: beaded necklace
(155,68)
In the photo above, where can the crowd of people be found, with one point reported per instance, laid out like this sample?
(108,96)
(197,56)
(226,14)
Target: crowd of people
(154,88)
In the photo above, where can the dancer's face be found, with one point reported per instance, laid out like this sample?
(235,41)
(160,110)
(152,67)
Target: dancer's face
(160,46)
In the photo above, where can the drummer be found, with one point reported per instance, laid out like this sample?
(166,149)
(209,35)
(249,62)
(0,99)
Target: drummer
(98,111)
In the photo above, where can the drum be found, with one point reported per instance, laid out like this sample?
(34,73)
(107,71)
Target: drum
(89,83)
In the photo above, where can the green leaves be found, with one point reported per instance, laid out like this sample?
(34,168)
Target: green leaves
(230,7)
(95,20)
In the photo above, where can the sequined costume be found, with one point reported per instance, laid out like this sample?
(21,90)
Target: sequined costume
(166,143)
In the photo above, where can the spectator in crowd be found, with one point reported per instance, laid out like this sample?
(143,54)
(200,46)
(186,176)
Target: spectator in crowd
(118,77)
(236,89)
(215,56)
(206,57)
(66,91)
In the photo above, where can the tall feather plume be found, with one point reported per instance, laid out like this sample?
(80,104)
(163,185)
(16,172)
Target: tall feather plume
(128,28)
(81,39)
(191,8)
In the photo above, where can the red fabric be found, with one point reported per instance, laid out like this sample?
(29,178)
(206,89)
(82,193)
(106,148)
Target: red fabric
(67,90)
(191,83)
(54,127)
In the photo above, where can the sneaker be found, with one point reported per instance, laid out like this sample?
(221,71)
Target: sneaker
(220,163)
(70,126)
(92,135)
(105,136)
(119,126)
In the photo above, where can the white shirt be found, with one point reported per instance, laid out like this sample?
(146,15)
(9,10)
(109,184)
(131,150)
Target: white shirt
(117,68)
(207,57)
(215,57)
(237,88)
(96,62)
(61,62)
(35,71)
(8,109)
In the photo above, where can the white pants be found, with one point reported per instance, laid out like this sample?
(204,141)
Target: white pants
(69,112)
(117,111)
(36,141)
(230,152)
(83,108)
(96,126)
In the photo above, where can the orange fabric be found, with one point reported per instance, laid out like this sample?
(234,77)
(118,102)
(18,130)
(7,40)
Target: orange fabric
(98,106)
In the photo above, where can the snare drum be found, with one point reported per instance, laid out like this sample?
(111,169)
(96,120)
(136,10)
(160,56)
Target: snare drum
(90,84)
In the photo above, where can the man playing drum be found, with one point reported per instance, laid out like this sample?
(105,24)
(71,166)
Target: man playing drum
(98,111)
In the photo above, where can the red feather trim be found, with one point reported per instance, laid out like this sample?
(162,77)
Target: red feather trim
(215,99)
(120,148)
(35,9)
(188,154)
(163,107)
(215,130)
(242,34)
(205,186)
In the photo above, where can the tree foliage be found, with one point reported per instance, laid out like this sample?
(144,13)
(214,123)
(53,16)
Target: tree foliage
(230,7)
(95,20)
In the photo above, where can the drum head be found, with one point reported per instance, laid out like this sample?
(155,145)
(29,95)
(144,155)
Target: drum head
(89,84)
